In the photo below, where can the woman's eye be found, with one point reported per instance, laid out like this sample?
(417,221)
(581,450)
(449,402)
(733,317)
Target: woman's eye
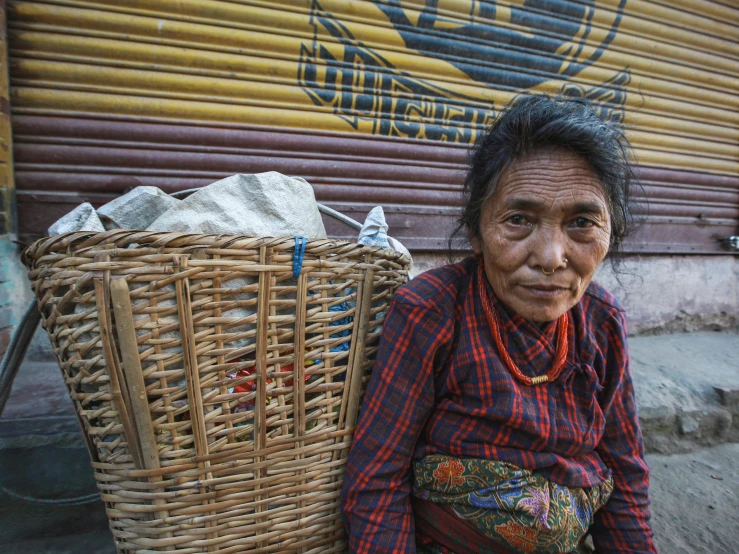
(582,223)
(517,220)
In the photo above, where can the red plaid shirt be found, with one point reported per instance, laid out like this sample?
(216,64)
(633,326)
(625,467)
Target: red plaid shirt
(439,386)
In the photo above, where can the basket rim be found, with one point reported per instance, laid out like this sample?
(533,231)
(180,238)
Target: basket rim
(82,241)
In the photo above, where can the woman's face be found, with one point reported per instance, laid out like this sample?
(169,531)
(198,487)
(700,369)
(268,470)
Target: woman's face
(549,207)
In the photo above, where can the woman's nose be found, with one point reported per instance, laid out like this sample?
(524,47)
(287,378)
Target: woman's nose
(549,250)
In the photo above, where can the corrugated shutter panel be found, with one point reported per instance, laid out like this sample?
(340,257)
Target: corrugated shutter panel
(371,101)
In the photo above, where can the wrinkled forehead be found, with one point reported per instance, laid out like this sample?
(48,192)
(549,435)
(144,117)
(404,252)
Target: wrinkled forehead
(550,178)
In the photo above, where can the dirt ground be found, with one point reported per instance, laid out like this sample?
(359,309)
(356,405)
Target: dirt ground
(695,501)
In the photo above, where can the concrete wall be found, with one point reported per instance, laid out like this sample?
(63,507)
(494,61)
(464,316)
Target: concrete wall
(15,289)
(669,294)
(664,294)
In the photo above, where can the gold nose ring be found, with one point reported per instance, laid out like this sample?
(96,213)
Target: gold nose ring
(545,272)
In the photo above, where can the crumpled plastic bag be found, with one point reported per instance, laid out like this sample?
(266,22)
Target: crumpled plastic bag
(374,229)
(374,233)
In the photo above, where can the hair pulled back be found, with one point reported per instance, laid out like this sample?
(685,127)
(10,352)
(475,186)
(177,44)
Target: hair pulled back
(536,122)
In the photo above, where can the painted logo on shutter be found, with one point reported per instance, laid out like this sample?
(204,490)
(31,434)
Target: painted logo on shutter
(513,48)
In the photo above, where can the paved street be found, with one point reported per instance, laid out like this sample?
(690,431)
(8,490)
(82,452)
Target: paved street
(695,501)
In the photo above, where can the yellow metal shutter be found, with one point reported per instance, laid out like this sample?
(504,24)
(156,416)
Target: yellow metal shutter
(374,102)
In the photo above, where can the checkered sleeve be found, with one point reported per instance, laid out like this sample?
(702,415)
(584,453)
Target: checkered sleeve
(398,401)
(622,525)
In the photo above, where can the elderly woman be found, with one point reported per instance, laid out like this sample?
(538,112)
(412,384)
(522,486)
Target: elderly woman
(500,415)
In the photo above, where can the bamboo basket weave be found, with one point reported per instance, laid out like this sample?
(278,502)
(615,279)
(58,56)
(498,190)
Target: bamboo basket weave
(217,392)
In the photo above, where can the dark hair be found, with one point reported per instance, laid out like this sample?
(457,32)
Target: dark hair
(539,121)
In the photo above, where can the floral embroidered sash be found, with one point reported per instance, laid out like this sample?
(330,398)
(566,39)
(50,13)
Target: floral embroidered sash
(521,510)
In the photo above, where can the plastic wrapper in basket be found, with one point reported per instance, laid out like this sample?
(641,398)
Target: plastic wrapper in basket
(217,379)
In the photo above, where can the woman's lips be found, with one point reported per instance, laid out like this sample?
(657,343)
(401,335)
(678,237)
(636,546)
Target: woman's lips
(545,291)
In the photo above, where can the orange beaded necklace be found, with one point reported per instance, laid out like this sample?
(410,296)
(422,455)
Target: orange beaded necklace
(563,324)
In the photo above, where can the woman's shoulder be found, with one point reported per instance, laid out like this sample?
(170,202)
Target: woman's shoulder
(602,312)
(600,299)
(439,289)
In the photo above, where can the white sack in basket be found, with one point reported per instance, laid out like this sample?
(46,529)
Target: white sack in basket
(137,209)
(82,218)
(267,205)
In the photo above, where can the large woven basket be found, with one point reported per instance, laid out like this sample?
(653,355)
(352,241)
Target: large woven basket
(217,379)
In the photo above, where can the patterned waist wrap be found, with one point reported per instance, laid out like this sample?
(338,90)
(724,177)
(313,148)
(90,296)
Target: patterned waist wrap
(518,509)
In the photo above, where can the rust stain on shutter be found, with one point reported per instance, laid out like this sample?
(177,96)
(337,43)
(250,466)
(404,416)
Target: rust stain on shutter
(374,102)
(7,184)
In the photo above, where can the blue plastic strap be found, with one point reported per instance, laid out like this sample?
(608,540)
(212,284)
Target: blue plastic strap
(299,254)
